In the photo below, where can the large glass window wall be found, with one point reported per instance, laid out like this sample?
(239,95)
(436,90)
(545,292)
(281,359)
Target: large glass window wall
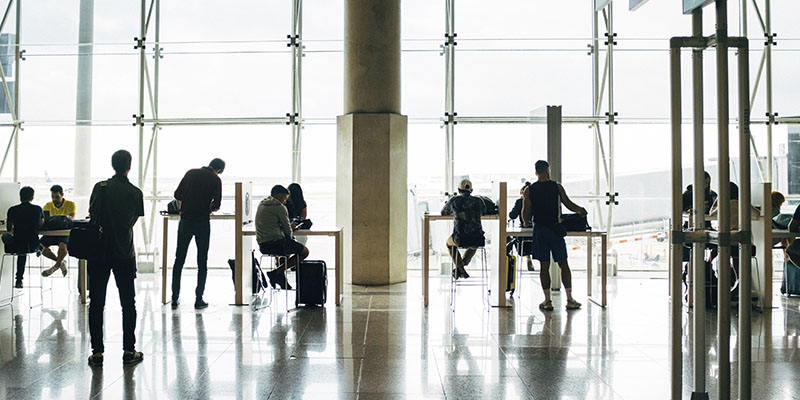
(227,77)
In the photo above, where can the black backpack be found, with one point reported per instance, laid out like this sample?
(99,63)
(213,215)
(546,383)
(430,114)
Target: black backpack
(489,207)
(575,223)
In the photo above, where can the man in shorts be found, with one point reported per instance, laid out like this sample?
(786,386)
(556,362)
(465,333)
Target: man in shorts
(274,234)
(467,229)
(542,206)
(58,206)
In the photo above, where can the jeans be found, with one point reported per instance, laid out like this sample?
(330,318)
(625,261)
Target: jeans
(124,274)
(200,229)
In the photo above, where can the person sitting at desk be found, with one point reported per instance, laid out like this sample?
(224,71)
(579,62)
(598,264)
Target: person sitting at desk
(23,222)
(58,206)
(200,194)
(542,206)
(274,234)
(467,230)
(734,221)
(523,245)
(298,209)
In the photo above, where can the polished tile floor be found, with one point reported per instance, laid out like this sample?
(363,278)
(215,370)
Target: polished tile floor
(380,344)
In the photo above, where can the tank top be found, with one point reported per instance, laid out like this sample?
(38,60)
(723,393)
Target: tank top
(545,200)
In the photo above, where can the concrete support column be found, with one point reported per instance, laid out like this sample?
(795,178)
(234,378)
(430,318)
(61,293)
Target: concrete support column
(371,176)
(83,108)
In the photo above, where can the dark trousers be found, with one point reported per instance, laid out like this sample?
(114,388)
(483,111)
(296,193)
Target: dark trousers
(200,229)
(124,274)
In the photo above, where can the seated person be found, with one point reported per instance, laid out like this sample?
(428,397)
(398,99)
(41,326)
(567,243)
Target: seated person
(59,206)
(734,221)
(274,234)
(467,230)
(777,201)
(23,222)
(523,244)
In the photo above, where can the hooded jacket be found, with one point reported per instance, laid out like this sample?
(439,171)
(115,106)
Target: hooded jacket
(272,221)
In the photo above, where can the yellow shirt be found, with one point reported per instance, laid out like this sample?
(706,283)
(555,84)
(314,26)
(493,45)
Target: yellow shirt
(67,208)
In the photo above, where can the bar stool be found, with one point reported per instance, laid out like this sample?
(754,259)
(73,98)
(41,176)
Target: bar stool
(27,264)
(484,285)
(276,262)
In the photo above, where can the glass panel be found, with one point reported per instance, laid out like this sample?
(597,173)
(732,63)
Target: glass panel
(208,20)
(323,85)
(513,83)
(205,81)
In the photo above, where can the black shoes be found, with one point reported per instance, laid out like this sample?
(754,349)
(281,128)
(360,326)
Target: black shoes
(130,357)
(460,274)
(277,279)
(199,304)
(18,284)
(174,304)
(96,360)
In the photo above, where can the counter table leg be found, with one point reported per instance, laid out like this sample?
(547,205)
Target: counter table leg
(589,266)
(338,265)
(425,258)
(604,270)
(164,242)
(82,279)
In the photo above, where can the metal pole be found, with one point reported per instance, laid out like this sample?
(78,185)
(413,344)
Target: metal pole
(611,116)
(676,245)
(768,55)
(595,106)
(156,127)
(449,96)
(297,59)
(723,290)
(745,250)
(17,57)
(698,256)
(142,66)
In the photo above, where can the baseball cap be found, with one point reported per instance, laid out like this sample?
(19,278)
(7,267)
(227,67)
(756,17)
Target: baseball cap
(465,185)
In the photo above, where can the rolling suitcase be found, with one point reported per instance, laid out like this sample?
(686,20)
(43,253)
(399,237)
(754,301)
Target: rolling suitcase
(312,283)
(791,279)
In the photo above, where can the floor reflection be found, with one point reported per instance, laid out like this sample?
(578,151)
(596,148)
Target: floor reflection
(381,343)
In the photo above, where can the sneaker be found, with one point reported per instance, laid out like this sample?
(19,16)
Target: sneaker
(546,305)
(573,305)
(50,271)
(174,304)
(18,284)
(96,360)
(199,304)
(63,266)
(132,357)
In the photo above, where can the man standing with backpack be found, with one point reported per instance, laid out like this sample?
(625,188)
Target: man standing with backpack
(115,205)
(200,194)
(542,206)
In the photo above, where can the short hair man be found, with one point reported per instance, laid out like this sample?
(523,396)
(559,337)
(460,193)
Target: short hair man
(467,229)
(200,194)
(542,206)
(57,206)
(116,205)
(23,222)
(274,234)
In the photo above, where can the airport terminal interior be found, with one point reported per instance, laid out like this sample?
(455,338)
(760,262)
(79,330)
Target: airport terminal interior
(382,111)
